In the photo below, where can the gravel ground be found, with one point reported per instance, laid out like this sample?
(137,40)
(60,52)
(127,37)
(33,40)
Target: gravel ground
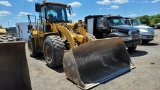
(146,75)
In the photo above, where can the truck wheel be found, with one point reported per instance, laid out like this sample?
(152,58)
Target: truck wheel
(91,37)
(155,27)
(31,47)
(132,48)
(145,41)
(53,50)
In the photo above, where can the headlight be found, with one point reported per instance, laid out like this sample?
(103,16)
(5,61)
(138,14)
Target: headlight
(127,38)
(144,32)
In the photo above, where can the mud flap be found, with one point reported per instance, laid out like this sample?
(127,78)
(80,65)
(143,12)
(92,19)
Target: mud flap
(14,72)
(95,62)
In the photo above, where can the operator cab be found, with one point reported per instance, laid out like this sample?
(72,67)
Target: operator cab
(56,13)
(49,13)
(53,12)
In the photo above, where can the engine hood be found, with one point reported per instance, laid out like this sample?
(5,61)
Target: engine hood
(125,28)
(146,30)
(143,27)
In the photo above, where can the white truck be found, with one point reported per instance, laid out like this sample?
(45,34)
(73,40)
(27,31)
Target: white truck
(147,33)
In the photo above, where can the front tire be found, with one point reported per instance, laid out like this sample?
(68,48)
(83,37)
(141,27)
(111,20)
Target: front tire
(132,48)
(145,41)
(53,50)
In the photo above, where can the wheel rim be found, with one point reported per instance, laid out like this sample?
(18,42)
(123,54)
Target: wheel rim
(29,46)
(48,53)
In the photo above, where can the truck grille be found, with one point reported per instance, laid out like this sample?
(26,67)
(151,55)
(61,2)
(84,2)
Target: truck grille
(136,35)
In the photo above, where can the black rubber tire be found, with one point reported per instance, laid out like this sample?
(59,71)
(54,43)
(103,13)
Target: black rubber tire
(31,47)
(155,27)
(53,50)
(132,48)
(6,38)
(145,41)
(91,37)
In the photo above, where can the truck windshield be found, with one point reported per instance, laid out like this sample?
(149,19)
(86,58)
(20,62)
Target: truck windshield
(116,21)
(57,13)
(136,22)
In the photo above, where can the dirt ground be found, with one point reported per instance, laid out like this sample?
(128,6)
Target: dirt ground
(146,75)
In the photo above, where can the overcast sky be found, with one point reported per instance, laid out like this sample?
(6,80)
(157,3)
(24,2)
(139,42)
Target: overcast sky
(14,11)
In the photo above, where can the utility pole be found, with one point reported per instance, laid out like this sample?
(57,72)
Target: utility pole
(8,25)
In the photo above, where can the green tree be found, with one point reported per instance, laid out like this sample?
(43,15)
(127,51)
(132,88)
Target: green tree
(157,19)
(149,20)
(145,19)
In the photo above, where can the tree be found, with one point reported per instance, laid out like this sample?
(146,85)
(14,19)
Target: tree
(157,19)
(149,20)
(145,19)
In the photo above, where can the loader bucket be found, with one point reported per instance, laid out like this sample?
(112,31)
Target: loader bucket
(14,73)
(95,62)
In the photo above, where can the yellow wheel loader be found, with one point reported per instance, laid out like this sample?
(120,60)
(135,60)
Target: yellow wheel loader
(4,37)
(14,73)
(86,60)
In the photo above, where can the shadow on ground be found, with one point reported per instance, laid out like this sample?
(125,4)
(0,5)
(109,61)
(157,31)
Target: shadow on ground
(149,44)
(41,58)
(104,82)
(112,78)
(58,69)
(137,53)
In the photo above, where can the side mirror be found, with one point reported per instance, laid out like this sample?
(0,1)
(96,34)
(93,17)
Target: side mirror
(37,7)
(70,9)
(30,27)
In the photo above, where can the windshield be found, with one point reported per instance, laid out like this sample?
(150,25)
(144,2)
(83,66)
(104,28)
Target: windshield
(116,21)
(57,13)
(136,22)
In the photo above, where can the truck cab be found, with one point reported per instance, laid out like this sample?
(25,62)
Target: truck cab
(147,33)
(103,26)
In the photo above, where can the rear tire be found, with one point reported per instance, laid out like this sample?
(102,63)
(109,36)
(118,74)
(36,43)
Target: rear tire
(53,50)
(31,47)
(132,48)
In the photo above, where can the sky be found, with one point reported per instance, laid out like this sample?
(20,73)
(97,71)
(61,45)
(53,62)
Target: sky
(14,11)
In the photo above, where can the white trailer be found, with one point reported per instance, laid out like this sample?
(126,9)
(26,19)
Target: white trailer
(22,28)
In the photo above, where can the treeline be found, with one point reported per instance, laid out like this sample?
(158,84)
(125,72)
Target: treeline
(149,20)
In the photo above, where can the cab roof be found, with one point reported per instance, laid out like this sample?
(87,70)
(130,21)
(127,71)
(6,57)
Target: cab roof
(107,15)
(53,3)
(129,18)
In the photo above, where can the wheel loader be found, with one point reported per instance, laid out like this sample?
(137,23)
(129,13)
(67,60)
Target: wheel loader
(8,35)
(4,37)
(86,61)
(14,73)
